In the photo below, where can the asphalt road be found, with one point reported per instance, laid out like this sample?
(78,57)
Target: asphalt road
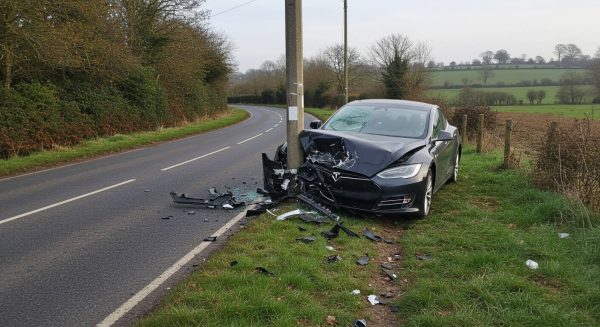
(77,242)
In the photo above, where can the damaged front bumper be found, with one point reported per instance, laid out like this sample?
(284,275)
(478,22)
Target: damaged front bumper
(343,189)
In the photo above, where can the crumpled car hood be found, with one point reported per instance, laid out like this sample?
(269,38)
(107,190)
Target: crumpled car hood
(364,154)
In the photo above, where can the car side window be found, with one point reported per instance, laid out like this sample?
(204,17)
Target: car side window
(440,123)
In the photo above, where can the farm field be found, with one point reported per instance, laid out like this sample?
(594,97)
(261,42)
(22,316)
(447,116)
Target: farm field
(506,76)
(519,92)
(565,110)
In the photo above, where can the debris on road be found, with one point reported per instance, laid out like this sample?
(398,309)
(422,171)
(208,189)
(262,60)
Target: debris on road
(210,239)
(166,217)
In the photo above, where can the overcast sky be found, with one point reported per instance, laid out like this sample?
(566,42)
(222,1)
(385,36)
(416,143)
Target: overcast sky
(457,30)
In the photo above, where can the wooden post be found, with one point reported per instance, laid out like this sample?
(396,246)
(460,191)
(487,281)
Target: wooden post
(480,134)
(507,135)
(463,131)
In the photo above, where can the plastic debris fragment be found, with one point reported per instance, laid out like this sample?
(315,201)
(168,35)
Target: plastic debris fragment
(363,261)
(373,299)
(372,236)
(532,264)
(264,271)
(355,292)
(563,235)
(210,239)
(306,240)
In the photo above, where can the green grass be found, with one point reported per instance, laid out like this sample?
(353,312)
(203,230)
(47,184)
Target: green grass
(116,143)
(506,76)
(576,111)
(304,290)
(322,114)
(520,93)
(480,233)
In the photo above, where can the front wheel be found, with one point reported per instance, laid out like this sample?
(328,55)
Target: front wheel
(425,205)
(454,177)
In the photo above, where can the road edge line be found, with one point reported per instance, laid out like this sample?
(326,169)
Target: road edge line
(158,281)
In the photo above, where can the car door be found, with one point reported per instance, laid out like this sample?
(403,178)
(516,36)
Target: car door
(442,150)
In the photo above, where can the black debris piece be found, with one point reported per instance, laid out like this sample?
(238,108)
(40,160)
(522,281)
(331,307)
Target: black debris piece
(332,233)
(360,323)
(372,236)
(147,190)
(262,191)
(233,263)
(424,257)
(306,240)
(394,309)
(302,229)
(210,239)
(387,266)
(333,258)
(166,217)
(390,273)
(388,241)
(397,257)
(264,271)
(225,200)
(363,261)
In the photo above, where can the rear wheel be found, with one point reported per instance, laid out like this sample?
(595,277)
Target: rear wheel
(425,205)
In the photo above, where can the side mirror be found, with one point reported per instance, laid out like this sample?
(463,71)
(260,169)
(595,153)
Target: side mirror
(316,124)
(444,136)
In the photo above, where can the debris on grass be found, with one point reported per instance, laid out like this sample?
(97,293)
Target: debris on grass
(306,240)
(563,235)
(424,257)
(233,263)
(360,323)
(532,264)
(373,299)
(363,261)
(355,292)
(333,258)
(372,236)
(264,271)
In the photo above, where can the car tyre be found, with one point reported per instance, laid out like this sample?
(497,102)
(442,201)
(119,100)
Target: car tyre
(425,205)
(455,170)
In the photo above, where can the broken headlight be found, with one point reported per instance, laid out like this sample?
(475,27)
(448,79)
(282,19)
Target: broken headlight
(407,171)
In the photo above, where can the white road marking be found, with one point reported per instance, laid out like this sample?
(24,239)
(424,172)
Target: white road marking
(270,129)
(246,140)
(63,202)
(197,158)
(137,298)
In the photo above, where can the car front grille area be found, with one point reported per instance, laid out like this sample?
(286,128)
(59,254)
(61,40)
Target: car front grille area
(403,201)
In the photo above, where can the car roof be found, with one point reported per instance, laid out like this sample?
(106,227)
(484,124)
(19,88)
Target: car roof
(397,103)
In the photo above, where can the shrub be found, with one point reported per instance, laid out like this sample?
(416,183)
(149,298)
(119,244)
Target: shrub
(568,161)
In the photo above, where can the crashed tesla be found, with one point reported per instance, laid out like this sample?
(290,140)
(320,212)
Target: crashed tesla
(379,156)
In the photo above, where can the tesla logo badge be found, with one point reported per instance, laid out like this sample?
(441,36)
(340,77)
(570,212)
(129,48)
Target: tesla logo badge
(335,176)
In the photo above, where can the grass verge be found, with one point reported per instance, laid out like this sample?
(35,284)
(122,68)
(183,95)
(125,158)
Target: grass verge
(116,143)
(322,114)
(479,235)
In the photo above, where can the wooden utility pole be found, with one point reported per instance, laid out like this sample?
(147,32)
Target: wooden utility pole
(295,80)
(345,51)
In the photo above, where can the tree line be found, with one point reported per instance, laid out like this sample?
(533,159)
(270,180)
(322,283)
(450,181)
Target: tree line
(394,67)
(74,69)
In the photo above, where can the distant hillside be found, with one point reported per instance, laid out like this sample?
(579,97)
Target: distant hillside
(500,77)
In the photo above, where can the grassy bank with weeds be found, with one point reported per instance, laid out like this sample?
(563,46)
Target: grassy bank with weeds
(322,114)
(101,146)
(479,235)
(304,289)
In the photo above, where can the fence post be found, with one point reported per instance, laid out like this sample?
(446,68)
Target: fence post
(463,131)
(507,136)
(480,133)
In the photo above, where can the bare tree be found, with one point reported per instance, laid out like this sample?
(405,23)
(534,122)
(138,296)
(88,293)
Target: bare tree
(593,73)
(334,56)
(485,74)
(560,50)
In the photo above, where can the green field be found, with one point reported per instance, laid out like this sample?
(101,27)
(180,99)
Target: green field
(519,92)
(576,111)
(506,76)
